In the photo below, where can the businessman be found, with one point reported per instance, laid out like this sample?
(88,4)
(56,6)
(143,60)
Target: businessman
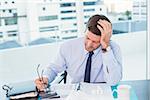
(93,58)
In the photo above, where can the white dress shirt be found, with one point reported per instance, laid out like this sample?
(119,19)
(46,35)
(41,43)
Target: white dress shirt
(72,57)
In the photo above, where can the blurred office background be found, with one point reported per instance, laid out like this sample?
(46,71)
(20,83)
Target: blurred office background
(31,32)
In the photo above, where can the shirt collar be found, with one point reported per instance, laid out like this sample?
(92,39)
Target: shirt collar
(95,51)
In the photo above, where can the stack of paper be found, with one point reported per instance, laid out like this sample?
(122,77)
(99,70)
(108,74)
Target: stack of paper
(79,95)
(89,91)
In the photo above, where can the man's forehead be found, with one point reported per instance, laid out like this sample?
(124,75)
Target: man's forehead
(93,37)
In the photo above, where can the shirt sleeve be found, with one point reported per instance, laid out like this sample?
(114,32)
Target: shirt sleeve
(56,66)
(112,65)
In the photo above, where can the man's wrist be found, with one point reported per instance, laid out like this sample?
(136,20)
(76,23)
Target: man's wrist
(106,49)
(104,44)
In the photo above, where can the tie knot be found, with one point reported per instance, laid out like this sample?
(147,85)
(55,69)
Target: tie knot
(91,53)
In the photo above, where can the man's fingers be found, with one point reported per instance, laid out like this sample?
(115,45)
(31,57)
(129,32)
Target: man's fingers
(100,28)
(40,87)
(102,24)
(45,80)
(107,27)
(41,84)
(105,24)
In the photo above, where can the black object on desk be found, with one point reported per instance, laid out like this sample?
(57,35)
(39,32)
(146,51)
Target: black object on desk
(49,94)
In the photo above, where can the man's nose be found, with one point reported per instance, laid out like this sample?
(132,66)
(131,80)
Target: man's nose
(89,43)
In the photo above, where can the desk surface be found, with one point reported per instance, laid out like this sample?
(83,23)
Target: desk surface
(140,87)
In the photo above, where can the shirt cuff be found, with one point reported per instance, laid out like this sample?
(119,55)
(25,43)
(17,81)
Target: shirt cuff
(108,60)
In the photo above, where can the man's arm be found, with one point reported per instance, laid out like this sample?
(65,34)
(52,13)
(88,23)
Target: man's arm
(58,65)
(51,71)
(112,65)
(112,62)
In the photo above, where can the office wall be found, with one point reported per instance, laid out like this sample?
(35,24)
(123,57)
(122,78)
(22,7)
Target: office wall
(133,46)
(20,64)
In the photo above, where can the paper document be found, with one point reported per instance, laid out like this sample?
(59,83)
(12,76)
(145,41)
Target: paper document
(79,95)
(25,95)
(89,91)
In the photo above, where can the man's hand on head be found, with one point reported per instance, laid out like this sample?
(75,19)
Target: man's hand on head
(106,32)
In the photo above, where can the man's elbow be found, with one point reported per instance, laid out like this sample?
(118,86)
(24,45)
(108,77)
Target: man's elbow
(114,80)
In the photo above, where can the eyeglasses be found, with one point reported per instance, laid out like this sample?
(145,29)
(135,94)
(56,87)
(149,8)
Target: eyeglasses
(46,85)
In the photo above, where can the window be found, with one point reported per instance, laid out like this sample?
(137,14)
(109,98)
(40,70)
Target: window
(86,16)
(3,10)
(87,10)
(10,11)
(73,31)
(15,14)
(68,14)
(68,18)
(69,11)
(44,8)
(0,22)
(1,34)
(12,31)
(48,18)
(89,3)
(6,2)
(75,24)
(13,2)
(11,21)
(46,29)
(67,4)
(12,35)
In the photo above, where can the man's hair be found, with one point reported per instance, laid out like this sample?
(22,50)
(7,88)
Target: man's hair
(92,23)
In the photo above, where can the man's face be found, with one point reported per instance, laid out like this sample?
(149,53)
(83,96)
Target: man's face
(92,41)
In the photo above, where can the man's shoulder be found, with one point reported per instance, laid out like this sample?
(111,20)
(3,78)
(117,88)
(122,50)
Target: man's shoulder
(114,44)
(75,41)
(72,45)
